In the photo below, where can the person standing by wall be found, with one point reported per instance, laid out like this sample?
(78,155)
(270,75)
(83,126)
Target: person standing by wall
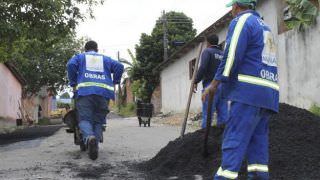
(210,60)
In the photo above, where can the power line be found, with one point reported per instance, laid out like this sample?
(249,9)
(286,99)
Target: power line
(165,36)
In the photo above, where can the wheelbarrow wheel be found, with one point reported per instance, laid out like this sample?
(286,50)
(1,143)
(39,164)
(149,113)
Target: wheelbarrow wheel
(145,124)
(76,137)
(140,121)
(82,146)
(149,122)
(101,140)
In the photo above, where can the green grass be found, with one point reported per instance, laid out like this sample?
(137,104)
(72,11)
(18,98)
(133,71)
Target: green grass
(44,121)
(315,109)
(128,110)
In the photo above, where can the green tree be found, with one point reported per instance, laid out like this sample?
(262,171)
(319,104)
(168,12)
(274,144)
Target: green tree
(149,52)
(44,64)
(39,36)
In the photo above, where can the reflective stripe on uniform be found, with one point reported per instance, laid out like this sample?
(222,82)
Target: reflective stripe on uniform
(258,81)
(88,84)
(227,174)
(258,168)
(234,44)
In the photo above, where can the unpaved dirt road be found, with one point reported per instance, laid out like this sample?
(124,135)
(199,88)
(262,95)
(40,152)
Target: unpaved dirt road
(56,157)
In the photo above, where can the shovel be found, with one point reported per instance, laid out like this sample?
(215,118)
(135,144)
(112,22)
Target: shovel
(208,127)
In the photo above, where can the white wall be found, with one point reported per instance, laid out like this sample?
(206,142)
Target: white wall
(299,67)
(175,85)
(268,10)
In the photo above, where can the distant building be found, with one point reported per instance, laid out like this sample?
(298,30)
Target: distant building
(39,105)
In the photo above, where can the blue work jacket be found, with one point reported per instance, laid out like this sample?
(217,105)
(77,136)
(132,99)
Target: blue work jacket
(91,73)
(248,71)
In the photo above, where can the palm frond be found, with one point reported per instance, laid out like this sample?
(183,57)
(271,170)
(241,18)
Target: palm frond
(124,61)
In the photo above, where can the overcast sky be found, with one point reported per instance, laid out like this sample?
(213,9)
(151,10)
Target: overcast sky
(119,23)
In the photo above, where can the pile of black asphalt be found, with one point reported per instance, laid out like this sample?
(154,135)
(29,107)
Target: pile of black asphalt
(294,150)
(28,133)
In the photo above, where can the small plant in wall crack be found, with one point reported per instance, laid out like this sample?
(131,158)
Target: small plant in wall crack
(303,13)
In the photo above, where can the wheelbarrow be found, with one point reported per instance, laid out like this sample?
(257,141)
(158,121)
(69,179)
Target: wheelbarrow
(144,113)
(71,119)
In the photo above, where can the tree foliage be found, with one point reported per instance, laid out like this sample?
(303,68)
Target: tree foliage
(304,13)
(149,52)
(139,89)
(44,64)
(39,36)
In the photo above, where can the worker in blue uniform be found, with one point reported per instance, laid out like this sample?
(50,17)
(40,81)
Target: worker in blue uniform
(249,78)
(210,60)
(90,74)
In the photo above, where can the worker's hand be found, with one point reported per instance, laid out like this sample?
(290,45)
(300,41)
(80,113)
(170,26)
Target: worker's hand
(195,88)
(210,90)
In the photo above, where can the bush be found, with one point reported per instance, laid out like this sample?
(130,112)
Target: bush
(139,89)
(128,110)
(315,109)
(44,121)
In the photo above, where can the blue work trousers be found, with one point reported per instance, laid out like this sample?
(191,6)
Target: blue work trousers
(92,111)
(245,135)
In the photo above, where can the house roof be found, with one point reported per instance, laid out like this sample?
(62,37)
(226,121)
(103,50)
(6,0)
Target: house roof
(16,73)
(193,43)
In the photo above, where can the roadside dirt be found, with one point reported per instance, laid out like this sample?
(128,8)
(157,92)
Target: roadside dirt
(294,151)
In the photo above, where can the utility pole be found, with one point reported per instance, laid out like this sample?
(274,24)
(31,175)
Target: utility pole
(165,36)
(119,91)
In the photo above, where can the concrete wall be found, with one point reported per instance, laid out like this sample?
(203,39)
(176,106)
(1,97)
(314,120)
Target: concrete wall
(299,63)
(268,9)
(10,94)
(175,85)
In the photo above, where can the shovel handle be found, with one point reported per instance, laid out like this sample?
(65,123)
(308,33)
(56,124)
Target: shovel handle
(208,123)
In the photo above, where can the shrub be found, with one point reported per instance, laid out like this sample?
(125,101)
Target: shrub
(44,121)
(128,110)
(315,109)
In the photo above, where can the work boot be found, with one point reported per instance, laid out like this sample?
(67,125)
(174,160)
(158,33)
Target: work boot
(92,147)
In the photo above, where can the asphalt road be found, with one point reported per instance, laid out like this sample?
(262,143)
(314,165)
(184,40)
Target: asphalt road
(56,157)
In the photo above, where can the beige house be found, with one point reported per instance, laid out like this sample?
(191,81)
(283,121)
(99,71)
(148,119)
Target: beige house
(11,84)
